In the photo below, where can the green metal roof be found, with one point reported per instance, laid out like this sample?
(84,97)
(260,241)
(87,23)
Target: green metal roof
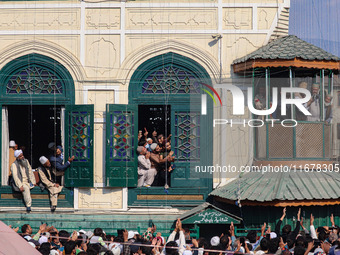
(289,47)
(299,185)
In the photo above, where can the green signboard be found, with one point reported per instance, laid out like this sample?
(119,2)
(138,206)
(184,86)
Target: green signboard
(210,216)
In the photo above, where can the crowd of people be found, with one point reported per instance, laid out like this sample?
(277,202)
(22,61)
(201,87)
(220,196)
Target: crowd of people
(314,105)
(155,159)
(301,240)
(48,175)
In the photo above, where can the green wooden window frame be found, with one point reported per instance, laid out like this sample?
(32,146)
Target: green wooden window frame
(37,79)
(184,99)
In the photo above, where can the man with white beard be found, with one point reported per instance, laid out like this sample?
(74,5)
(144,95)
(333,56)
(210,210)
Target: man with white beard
(23,177)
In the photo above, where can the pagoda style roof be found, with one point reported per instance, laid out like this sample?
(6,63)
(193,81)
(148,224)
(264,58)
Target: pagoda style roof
(287,51)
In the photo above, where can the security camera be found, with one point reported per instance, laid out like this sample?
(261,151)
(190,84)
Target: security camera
(217,36)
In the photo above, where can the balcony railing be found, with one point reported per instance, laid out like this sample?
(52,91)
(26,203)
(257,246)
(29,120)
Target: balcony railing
(308,140)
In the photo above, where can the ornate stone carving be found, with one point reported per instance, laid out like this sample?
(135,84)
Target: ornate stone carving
(102,55)
(265,17)
(171,18)
(237,18)
(35,19)
(103,18)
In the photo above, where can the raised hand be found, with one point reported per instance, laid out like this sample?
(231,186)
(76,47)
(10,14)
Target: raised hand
(283,214)
(299,214)
(311,219)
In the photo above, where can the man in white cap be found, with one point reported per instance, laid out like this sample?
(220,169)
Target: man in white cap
(146,175)
(328,111)
(313,104)
(48,178)
(12,148)
(23,177)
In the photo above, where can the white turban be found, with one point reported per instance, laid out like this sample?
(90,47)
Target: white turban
(43,160)
(11,143)
(153,146)
(215,241)
(43,239)
(17,153)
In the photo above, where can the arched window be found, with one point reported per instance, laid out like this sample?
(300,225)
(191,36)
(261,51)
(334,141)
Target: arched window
(164,94)
(38,79)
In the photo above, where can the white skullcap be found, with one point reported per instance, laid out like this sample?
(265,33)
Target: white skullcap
(187,252)
(89,234)
(273,235)
(32,244)
(17,153)
(131,234)
(54,252)
(11,143)
(43,160)
(115,248)
(153,146)
(215,241)
(82,231)
(43,239)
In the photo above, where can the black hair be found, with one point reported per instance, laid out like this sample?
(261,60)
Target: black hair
(264,244)
(290,243)
(298,250)
(64,235)
(202,242)
(322,236)
(53,235)
(146,249)
(273,245)
(141,143)
(171,251)
(251,236)
(98,232)
(69,247)
(45,248)
(93,249)
(224,241)
(286,229)
(24,228)
(301,241)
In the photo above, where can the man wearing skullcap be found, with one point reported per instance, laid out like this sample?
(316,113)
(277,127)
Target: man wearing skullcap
(313,104)
(146,175)
(23,177)
(328,108)
(48,178)
(300,116)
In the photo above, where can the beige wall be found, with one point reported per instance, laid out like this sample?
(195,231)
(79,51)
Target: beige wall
(101,44)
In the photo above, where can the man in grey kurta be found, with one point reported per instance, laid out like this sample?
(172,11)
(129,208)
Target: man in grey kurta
(48,178)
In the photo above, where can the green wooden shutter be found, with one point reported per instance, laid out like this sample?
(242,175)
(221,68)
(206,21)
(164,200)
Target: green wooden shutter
(191,146)
(121,144)
(79,143)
